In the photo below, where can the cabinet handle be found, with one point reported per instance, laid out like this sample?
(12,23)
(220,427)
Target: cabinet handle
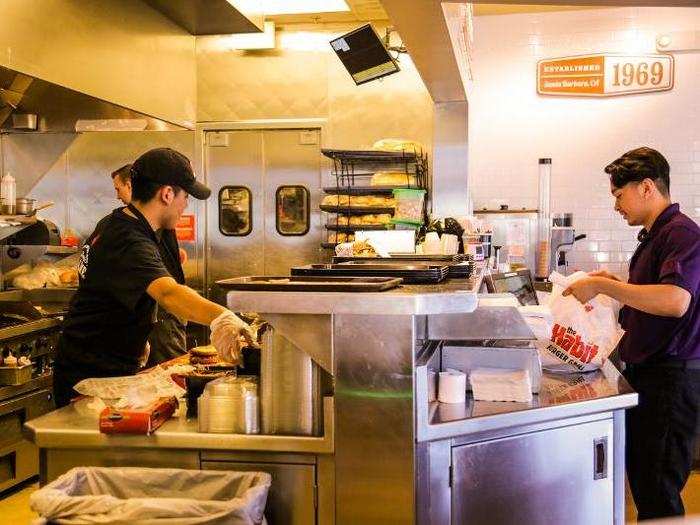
(600,458)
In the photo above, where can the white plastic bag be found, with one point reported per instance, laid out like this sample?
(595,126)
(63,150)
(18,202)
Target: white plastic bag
(574,337)
(152,496)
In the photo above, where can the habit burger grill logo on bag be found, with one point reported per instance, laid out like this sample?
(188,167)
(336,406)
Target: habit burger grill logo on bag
(568,346)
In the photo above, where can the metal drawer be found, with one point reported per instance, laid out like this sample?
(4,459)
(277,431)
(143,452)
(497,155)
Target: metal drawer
(19,459)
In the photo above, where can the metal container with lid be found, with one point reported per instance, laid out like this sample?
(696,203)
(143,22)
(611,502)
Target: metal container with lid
(230,405)
(24,205)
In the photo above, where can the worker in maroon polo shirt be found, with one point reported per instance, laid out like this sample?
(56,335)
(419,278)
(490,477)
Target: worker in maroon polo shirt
(661,318)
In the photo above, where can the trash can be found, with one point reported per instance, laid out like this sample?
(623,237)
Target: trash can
(152,496)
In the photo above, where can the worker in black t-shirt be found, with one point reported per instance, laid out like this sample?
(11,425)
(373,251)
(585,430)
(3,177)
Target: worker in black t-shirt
(168,339)
(123,277)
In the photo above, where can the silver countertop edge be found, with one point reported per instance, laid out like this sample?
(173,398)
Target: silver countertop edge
(65,428)
(456,296)
(77,438)
(530,416)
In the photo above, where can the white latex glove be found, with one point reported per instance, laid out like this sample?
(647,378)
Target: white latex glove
(226,333)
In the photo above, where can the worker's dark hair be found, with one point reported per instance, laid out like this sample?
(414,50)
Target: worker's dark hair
(639,164)
(124,173)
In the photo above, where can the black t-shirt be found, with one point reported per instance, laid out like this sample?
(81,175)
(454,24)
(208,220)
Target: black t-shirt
(111,314)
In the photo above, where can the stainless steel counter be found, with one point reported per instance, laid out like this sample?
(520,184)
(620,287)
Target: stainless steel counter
(561,396)
(451,296)
(387,454)
(76,426)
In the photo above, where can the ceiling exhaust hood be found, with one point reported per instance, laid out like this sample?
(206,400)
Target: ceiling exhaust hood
(59,109)
(212,17)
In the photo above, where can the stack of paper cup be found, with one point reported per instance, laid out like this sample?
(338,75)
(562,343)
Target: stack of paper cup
(432,245)
(452,387)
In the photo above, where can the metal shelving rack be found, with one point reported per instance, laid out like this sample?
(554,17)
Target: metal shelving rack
(353,170)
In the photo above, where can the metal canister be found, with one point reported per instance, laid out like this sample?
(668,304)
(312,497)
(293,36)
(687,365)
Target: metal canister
(23,206)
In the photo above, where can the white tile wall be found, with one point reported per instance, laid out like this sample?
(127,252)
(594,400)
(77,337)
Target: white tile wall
(511,126)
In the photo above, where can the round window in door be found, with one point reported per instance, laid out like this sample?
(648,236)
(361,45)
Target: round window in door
(235,211)
(292,215)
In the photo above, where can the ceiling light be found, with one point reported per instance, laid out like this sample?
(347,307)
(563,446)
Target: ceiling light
(249,41)
(295,7)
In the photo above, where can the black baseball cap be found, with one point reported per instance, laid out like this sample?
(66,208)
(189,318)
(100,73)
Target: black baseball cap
(169,167)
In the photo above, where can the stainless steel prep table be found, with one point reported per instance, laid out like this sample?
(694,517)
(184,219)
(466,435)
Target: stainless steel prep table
(388,455)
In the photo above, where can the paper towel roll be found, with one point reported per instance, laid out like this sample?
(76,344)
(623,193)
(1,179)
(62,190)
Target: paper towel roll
(452,387)
(432,385)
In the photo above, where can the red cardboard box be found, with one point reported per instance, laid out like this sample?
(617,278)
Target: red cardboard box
(142,420)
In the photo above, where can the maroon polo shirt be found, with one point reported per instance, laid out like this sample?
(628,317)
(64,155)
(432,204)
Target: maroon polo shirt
(669,253)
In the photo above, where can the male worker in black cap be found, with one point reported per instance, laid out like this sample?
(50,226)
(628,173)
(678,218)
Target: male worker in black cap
(123,276)
(168,339)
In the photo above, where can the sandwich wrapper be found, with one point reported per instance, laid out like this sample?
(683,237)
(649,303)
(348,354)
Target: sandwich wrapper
(135,391)
(136,404)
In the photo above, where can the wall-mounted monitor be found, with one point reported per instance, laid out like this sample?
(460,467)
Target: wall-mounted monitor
(364,55)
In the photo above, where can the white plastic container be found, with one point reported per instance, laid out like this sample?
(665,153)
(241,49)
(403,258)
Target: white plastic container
(8,194)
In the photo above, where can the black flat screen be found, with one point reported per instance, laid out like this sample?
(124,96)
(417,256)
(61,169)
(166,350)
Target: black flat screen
(518,283)
(364,56)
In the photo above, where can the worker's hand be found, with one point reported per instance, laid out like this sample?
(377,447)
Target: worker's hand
(605,274)
(228,334)
(584,289)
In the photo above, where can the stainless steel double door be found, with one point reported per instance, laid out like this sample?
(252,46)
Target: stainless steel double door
(263,216)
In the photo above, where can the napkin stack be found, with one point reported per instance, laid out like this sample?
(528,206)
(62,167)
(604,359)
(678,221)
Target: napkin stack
(498,384)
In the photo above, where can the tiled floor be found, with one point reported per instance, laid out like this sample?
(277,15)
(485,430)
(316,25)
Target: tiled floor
(14,508)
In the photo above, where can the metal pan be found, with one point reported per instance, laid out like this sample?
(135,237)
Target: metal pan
(410,273)
(306,283)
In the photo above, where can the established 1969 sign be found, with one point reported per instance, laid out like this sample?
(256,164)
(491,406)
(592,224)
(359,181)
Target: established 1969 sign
(604,75)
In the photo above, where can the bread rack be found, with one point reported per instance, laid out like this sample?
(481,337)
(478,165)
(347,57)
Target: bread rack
(353,170)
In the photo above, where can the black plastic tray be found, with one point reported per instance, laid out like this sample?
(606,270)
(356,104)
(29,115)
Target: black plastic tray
(306,283)
(370,155)
(463,270)
(357,210)
(358,227)
(408,257)
(410,273)
(456,269)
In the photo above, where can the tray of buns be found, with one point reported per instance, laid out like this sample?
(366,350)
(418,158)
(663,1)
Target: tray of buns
(337,203)
(311,283)
(357,210)
(411,273)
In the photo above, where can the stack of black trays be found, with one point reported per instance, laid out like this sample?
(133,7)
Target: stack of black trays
(411,273)
(460,266)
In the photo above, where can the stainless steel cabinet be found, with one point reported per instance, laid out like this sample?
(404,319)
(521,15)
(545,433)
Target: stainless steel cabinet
(265,189)
(292,497)
(562,475)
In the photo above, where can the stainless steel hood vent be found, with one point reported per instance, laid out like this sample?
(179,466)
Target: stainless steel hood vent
(209,17)
(60,109)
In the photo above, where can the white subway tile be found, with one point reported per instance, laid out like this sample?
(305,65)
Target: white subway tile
(599,235)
